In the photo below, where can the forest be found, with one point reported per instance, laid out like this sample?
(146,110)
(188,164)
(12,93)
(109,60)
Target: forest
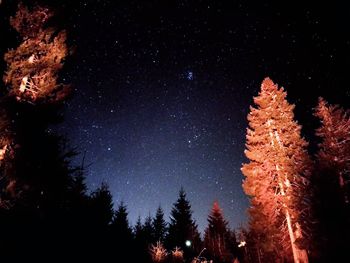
(299,199)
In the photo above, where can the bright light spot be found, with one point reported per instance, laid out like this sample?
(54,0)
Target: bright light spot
(188,243)
(242,244)
(189,75)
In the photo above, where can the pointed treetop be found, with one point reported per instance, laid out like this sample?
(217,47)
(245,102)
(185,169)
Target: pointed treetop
(216,206)
(268,84)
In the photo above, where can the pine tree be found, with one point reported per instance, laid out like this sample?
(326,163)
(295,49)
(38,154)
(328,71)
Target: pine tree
(182,228)
(278,172)
(148,230)
(334,150)
(217,236)
(141,245)
(101,207)
(138,228)
(122,236)
(331,180)
(32,68)
(31,75)
(159,225)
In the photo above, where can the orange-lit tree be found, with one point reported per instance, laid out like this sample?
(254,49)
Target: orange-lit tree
(33,66)
(334,150)
(332,193)
(277,173)
(217,235)
(31,76)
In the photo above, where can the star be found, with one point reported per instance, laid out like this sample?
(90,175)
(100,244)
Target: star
(189,75)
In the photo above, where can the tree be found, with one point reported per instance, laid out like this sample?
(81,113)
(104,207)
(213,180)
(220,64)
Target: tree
(32,68)
(331,178)
(277,174)
(182,228)
(159,225)
(121,232)
(101,207)
(217,235)
(334,150)
(31,76)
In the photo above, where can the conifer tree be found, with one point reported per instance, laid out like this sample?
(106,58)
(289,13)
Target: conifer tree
(159,225)
(122,236)
(217,236)
(120,221)
(277,173)
(32,76)
(32,68)
(101,207)
(331,181)
(148,230)
(138,228)
(334,150)
(182,228)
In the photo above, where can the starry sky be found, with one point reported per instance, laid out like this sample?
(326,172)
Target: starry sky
(163,88)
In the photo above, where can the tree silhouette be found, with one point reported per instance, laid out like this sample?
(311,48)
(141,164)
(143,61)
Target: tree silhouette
(182,228)
(217,236)
(159,225)
(121,234)
(278,172)
(101,207)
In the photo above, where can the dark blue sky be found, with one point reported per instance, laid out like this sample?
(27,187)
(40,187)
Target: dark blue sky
(163,88)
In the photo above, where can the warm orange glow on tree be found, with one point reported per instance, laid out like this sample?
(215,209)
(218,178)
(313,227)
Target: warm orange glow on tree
(33,66)
(276,175)
(31,76)
(334,153)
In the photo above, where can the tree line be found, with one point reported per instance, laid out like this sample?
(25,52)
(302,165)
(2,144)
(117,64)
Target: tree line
(46,211)
(299,202)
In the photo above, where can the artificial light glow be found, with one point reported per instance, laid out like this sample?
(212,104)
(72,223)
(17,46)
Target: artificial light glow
(242,244)
(188,243)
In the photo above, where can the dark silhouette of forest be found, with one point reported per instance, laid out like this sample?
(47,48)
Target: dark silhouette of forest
(299,210)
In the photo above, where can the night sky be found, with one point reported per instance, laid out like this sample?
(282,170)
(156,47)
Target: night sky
(163,88)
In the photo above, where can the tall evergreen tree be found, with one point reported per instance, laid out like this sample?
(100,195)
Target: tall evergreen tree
(140,243)
(148,229)
(217,236)
(334,150)
(32,76)
(101,207)
(159,225)
(183,228)
(38,175)
(138,228)
(331,180)
(32,68)
(278,172)
(122,236)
